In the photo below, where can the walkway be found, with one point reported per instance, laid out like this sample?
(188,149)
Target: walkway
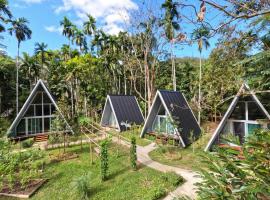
(186,189)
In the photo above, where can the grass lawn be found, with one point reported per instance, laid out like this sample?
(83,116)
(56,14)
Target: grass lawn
(123,182)
(188,158)
(136,133)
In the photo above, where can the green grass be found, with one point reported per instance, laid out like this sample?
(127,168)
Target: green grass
(136,133)
(187,158)
(123,182)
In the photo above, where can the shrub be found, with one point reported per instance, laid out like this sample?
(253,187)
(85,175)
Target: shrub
(133,153)
(158,193)
(4,124)
(27,143)
(18,167)
(104,160)
(82,186)
(229,175)
(173,178)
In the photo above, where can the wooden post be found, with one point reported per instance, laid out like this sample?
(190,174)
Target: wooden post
(64,143)
(91,152)
(81,141)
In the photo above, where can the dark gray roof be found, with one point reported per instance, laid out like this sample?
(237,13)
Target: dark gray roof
(126,109)
(181,114)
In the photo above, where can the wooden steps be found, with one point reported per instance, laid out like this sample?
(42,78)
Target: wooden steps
(41,138)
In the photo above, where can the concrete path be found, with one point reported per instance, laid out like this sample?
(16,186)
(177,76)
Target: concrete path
(186,189)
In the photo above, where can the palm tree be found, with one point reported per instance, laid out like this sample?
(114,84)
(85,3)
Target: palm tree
(4,11)
(40,48)
(201,35)
(79,39)
(22,32)
(89,27)
(170,26)
(68,30)
(30,67)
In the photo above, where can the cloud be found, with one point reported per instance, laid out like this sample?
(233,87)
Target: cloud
(112,13)
(54,29)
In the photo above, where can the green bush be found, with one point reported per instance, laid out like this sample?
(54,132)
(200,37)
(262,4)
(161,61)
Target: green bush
(133,153)
(104,160)
(173,178)
(82,186)
(228,174)
(27,143)
(158,193)
(4,125)
(19,167)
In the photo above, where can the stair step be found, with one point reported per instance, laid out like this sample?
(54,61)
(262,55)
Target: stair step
(41,138)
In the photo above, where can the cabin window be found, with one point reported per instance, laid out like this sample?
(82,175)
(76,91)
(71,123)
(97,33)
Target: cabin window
(253,127)
(21,128)
(254,112)
(239,112)
(239,130)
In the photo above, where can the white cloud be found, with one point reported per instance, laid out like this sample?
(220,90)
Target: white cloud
(54,29)
(113,13)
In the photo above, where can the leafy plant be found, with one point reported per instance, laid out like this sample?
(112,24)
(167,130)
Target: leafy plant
(82,186)
(4,124)
(173,178)
(104,160)
(133,153)
(27,143)
(231,174)
(19,167)
(158,193)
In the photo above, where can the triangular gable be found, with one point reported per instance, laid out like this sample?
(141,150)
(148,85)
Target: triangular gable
(29,100)
(158,100)
(244,88)
(125,109)
(107,111)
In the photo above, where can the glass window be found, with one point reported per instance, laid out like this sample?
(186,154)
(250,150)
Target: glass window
(161,110)
(38,110)
(21,128)
(239,111)
(47,109)
(52,109)
(46,98)
(46,124)
(163,124)
(38,98)
(30,111)
(253,127)
(254,111)
(239,130)
(38,125)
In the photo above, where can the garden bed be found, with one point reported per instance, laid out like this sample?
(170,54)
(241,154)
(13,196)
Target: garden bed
(22,192)
(62,157)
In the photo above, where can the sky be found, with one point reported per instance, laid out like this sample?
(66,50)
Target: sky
(44,17)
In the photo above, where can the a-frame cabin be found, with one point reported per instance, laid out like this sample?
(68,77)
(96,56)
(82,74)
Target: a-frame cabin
(120,112)
(245,114)
(171,116)
(37,114)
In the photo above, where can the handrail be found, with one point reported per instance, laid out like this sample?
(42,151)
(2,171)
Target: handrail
(90,139)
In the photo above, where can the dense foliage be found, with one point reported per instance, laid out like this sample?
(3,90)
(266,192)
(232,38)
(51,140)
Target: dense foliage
(230,174)
(104,160)
(18,168)
(133,153)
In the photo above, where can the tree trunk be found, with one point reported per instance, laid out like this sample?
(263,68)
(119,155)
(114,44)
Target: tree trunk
(199,100)
(173,66)
(0,100)
(125,82)
(17,78)
(72,99)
